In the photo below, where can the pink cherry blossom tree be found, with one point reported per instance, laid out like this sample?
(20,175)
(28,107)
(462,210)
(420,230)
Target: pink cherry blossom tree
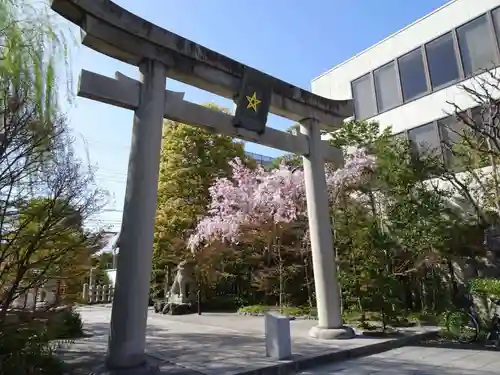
(260,198)
(256,196)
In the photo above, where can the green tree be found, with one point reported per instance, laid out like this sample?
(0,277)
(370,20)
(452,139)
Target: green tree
(290,160)
(44,241)
(191,158)
(397,230)
(33,56)
(46,192)
(101,263)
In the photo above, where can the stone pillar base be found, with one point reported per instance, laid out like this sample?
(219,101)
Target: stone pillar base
(344,332)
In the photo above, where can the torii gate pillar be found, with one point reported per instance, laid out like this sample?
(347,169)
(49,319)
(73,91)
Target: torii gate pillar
(127,338)
(326,282)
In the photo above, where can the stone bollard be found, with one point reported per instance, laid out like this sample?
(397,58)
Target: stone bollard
(92,293)
(85,293)
(98,293)
(278,341)
(105,296)
(111,293)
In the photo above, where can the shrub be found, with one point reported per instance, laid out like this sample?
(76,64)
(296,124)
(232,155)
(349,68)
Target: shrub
(299,311)
(254,309)
(69,324)
(221,303)
(486,287)
(25,349)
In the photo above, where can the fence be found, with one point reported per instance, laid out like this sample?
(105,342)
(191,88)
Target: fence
(97,293)
(37,297)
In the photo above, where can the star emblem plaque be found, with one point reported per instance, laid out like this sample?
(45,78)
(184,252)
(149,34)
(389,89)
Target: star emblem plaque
(253,101)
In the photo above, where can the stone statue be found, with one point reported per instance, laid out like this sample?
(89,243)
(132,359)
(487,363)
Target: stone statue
(183,278)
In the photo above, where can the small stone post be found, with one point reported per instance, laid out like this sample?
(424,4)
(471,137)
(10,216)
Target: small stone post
(127,339)
(328,299)
(111,293)
(92,288)
(105,295)
(277,334)
(92,293)
(98,293)
(85,293)
(92,277)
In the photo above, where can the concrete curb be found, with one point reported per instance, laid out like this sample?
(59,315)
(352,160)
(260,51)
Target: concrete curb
(308,362)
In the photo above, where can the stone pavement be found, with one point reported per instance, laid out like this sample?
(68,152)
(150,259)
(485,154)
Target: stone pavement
(223,344)
(418,360)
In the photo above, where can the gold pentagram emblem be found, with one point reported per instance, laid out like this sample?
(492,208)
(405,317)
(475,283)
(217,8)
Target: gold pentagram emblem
(253,101)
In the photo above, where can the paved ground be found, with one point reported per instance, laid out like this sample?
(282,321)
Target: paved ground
(418,360)
(211,344)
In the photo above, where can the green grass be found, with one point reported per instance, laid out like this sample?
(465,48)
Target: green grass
(350,316)
(294,311)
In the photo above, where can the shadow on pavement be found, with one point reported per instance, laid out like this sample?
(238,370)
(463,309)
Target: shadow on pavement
(436,363)
(447,344)
(213,351)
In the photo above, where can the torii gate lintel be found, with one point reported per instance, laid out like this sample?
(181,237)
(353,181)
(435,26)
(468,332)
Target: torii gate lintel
(124,92)
(113,31)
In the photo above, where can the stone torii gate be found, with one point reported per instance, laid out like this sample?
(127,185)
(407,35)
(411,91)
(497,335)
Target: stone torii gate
(111,30)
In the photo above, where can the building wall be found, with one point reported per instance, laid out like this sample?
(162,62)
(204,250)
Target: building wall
(418,118)
(336,83)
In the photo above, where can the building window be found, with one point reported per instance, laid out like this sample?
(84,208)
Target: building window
(425,140)
(476,46)
(461,53)
(412,73)
(495,14)
(482,126)
(442,61)
(386,87)
(452,131)
(364,98)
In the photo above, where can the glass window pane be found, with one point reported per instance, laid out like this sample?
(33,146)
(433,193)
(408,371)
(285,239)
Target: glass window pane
(483,125)
(386,87)
(452,131)
(442,61)
(364,98)
(485,118)
(412,73)
(425,140)
(496,22)
(476,46)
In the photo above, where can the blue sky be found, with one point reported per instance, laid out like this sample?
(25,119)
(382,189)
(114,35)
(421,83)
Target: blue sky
(292,40)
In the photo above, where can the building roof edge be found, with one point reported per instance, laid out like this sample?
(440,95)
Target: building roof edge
(385,39)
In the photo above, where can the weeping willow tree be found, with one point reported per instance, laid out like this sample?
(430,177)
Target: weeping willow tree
(46,192)
(33,55)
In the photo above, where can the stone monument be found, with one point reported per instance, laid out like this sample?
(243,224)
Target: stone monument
(181,299)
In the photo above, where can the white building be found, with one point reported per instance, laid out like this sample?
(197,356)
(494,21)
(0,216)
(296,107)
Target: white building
(406,80)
